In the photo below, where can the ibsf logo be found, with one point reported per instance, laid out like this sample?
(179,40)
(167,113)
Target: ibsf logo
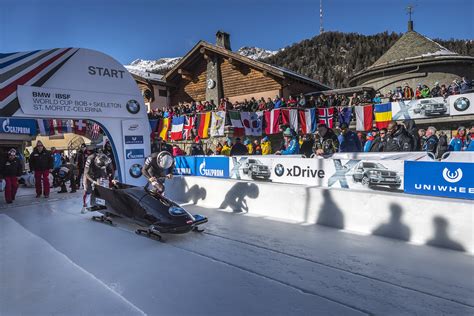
(452,177)
(279,170)
(133,106)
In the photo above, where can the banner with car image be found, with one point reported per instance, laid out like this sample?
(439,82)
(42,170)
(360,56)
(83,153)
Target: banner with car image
(338,173)
(420,109)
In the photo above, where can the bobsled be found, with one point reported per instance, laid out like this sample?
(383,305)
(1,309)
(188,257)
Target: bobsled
(154,212)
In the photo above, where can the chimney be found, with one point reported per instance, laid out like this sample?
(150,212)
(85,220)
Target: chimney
(410,26)
(223,40)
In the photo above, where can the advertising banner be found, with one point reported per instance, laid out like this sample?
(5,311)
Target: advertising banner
(420,109)
(258,168)
(185,165)
(461,104)
(18,126)
(135,149)
(48,102)
(446,179)
(215,167)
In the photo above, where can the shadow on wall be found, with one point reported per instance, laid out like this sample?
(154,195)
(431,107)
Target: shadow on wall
(235,199)
(180,191)
(330,214)
(394,228)
(441,238)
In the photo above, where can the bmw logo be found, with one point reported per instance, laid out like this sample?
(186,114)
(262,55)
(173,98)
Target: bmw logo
(461,104)
(136,170)
(279,170)
(133,106)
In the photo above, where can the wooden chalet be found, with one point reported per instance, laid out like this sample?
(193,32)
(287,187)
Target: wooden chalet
(211,72)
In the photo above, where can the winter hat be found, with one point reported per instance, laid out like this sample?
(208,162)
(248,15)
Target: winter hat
(246,142)
(265,139)
(287,132)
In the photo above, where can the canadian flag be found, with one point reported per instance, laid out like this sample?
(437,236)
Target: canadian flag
(272,121)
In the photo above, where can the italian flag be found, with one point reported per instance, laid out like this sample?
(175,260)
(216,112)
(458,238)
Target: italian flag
(236,123)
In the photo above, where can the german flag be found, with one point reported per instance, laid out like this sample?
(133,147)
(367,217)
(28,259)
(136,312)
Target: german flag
(202,123)
(383,114)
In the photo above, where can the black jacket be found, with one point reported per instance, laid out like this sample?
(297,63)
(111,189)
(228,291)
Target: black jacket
(328,143)
(399,141)
(377,145)
(151,168)
(11,168)
(307,148)
(196,149)
(239,149)
(41,161)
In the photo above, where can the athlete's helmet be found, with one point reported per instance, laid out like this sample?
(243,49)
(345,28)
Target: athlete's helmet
(102,161)
(164,160)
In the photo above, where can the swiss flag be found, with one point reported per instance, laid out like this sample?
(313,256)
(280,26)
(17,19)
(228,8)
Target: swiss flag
(80,127)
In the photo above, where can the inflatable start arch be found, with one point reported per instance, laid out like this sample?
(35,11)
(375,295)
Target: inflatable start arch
(76,83)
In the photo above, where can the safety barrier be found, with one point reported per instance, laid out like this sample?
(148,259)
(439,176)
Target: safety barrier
(413,173)
(434,221)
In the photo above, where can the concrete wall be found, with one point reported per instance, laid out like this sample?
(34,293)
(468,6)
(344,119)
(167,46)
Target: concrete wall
(438,222)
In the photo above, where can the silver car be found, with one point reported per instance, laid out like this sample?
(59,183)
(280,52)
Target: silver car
(373,174)
(256,169)
(430,107)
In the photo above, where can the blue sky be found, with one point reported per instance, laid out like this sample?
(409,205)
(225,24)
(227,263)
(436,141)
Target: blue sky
(150,29)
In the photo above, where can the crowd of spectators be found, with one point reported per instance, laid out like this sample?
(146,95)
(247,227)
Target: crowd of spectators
(321,101)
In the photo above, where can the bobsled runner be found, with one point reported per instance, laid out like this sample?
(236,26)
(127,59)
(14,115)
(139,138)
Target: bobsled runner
(152,211)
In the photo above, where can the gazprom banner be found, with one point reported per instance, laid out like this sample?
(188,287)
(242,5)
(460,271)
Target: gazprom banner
(184,165)
(18,126)
(215,167)
(447,179)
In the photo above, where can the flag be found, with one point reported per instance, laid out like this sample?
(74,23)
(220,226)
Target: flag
(252,122)
(67,126)
(364,118)
(345,114)
(326,116)
(218,122)
(203,121)
(383,114)
(58,126)
(236,123)
(177,126)
(80,127)
(272,121)
(93,130)
(290,117)
(188,127)
(153,125)
(46,127)
(164,127)
(308,121)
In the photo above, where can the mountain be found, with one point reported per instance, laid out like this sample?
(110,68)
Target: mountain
(256,53)
(162,65)
(333,57)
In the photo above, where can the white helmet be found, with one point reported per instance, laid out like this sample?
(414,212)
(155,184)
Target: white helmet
(164,160)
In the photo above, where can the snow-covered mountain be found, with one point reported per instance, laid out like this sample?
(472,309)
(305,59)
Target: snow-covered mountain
(162,65)
(255,52)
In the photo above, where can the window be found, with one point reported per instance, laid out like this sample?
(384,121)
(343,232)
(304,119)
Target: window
(162,93)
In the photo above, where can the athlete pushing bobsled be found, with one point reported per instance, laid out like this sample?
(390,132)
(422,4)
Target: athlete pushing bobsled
(146,207)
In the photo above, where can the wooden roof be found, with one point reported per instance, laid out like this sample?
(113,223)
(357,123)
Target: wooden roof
(203,47)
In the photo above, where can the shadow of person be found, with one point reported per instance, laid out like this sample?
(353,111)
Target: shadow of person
(394,228)
(330,214)
(235,199)
(194,194)
(441,238)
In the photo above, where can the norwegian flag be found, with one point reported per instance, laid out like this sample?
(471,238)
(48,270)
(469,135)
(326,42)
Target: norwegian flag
(188,127)
(93,130)
(326,116)
(80,127)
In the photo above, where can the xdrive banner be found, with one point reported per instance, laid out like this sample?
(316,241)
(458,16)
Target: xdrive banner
(447,179)
(382,175)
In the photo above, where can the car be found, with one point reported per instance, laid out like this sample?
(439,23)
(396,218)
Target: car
(256,169)
(376,174)
(430,107)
